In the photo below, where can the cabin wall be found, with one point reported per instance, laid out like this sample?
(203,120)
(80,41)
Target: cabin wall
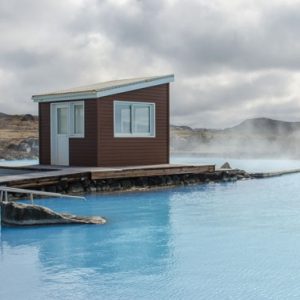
(44,134)
(99,147)
(120,151)
(83,151)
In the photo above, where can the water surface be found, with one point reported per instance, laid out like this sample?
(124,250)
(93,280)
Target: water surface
(250,164)
(218,241)
(18,163)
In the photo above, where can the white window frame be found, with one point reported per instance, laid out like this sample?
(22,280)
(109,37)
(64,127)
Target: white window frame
(72,120)
(152,107)
(71,105)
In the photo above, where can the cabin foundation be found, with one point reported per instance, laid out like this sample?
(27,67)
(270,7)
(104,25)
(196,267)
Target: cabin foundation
(104,180)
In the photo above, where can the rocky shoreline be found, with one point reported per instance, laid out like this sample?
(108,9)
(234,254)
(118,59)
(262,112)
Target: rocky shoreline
(19,214)
(23,149)
(85,185)
(18,137)
(16,214)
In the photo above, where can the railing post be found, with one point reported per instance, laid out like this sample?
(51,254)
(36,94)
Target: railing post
(31,198)
(5,190)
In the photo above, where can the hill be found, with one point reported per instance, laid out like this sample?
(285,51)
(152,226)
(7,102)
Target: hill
(265,126)
(260,137)
(18,136)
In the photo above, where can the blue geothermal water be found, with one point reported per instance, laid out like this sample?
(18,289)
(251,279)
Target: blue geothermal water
(250,164)
(217,241)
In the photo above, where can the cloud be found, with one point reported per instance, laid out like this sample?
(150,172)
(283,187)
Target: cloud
(232,59)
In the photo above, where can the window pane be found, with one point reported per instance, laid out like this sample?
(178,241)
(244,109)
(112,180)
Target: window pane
(62,120)
(78,119)
(123,118)
(142,119)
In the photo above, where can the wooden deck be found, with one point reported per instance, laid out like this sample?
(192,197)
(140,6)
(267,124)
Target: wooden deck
(40,175)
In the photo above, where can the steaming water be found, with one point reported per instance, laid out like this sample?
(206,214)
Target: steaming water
(218,241)
(250,165)
(253,165)
(18,163)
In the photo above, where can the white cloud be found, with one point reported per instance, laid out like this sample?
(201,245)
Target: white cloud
(232,59)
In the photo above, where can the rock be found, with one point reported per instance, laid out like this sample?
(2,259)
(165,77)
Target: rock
(51,189)
(62,186)
(59,188)
(76,188)
(226,166)
(29,145)
(126,184)
(12,147)
(27,148)
(169,180)
(19,214)
(114,185)
(93,189)
(85,182)
(27,117)
(141,182)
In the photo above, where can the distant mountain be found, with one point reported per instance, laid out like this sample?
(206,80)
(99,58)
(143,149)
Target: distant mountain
(265,126)
(259,137)
(3,115)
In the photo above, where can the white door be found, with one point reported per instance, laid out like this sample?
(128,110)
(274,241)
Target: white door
(60,134)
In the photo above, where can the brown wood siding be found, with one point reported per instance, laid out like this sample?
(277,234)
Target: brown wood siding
(168,123)
(134,151)
(99,147)
(44,134)
(83,151)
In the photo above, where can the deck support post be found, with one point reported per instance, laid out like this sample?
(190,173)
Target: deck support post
(5,190)
(31,198)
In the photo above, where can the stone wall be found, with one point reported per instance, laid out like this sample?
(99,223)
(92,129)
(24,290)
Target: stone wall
(85,185)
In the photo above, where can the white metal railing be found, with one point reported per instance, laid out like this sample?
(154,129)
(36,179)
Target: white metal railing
(4,190)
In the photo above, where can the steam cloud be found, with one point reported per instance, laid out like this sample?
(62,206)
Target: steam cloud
(256,138)
(233,60)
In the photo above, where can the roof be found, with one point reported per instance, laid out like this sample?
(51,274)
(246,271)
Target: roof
(103,89)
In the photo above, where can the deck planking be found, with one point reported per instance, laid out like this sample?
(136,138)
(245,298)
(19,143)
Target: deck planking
(43,176)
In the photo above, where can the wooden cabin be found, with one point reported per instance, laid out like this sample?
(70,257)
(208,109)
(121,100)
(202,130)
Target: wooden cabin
(116,123)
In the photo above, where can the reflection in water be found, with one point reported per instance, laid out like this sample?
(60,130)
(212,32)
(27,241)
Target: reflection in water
(217,241)
(135,240)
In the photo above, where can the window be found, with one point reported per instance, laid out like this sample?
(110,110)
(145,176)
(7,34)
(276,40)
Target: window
(141,114)
(68,118)
(134,119)
(62,120)
(78,119)
(123,118)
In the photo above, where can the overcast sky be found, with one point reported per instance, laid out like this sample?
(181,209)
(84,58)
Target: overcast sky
(232,60)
